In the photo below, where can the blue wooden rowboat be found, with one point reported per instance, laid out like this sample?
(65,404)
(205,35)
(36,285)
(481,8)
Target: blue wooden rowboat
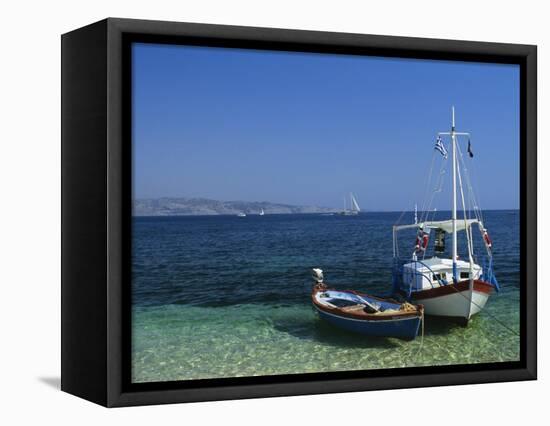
(367,315)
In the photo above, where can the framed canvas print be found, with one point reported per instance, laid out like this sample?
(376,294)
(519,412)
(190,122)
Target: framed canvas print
(253,212)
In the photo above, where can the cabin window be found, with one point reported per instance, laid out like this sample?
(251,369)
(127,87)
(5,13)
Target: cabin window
(441,276)
(465,275)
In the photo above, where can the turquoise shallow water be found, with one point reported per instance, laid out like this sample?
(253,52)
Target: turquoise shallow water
(218,297)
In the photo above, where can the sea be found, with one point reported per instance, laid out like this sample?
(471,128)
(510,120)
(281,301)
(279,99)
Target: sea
(228,296)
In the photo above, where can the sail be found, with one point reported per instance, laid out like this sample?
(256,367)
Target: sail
(354,205)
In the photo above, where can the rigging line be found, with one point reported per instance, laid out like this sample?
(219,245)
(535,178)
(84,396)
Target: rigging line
(468,180)
(396,245)
(425,200)
(488,337)
(471,195)
(466,228)
(428,180)
(436,190)
(474,195)
(400,217)
(477,209)
(398,221)
(433,214)
(488,313)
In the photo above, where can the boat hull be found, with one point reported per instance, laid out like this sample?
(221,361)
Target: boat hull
(454,300)
(405,328)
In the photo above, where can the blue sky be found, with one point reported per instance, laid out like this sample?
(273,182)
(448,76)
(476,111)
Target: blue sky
(301,128)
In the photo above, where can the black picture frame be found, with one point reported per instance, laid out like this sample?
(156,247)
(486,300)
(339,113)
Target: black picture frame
(96,209)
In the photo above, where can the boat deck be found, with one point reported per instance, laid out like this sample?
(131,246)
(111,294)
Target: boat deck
(388,311)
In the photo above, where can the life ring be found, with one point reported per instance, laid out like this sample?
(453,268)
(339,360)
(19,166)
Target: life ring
(422,240)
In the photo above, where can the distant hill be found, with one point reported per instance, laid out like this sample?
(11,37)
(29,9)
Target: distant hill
(203,206)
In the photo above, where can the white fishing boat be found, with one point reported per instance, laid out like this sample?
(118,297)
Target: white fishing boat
(450,287)
(262,212)
(241,214)
(354,206)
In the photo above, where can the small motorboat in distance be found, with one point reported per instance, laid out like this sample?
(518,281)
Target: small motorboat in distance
(364,314)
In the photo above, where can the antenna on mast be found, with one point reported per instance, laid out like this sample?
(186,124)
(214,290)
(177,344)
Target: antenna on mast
(453,123)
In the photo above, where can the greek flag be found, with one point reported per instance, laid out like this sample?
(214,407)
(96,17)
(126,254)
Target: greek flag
(440,147)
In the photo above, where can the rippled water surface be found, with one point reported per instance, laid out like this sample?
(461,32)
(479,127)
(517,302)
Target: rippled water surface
(226,296)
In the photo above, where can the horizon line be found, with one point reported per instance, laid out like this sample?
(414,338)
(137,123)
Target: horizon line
(322,213)
(304,205)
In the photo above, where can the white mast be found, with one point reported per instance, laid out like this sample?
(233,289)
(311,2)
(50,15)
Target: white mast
(415,214)
(453,141)
(453,134)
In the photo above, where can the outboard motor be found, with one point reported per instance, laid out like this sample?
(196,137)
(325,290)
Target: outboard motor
(317,275)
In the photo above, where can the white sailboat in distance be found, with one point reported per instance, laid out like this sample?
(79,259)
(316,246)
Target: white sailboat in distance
(354,206)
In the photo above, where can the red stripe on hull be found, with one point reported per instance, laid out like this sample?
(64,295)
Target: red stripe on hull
(479,286)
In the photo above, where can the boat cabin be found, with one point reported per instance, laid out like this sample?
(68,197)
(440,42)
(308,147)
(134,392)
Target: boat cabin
(434,272)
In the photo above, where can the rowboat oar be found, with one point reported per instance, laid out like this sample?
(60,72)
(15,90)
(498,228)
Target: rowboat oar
(317,275)
(366,302)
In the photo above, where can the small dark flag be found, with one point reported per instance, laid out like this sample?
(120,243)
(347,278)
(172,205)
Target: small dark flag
(470,153)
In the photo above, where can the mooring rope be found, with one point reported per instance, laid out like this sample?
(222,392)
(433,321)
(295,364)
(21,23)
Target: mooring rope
(489,314)
(421,335)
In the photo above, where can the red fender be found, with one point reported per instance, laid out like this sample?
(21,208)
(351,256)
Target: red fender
(487,239)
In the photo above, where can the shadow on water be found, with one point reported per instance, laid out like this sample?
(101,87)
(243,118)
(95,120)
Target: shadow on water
(314,329)
(318,331)
(437,326)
